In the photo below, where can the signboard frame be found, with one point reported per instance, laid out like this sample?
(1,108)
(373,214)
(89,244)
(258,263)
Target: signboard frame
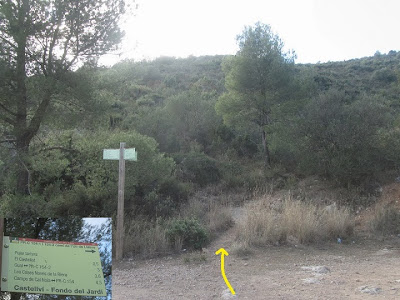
(43,267)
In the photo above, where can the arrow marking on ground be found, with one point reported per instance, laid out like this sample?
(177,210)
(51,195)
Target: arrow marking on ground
(223,252)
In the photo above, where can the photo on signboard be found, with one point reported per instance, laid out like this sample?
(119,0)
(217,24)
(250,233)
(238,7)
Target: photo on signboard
(56,258)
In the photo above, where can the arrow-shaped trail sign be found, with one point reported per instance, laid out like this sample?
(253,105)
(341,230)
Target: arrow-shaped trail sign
(223,252)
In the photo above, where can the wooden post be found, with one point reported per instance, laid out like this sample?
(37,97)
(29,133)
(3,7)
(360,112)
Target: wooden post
(121,155)
(120,211)
(1,242)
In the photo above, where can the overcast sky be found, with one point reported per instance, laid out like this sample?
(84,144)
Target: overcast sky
(318,30)
(96,221)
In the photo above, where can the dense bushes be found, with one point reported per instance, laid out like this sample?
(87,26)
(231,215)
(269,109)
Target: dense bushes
(70,175)
(187,234)
(342,139)
(349,133)
(198,168)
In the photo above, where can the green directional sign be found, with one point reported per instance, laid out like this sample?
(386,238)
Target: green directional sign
(51,267)
(113,154)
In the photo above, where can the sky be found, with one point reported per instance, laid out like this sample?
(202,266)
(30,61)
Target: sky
(95,221)
(317,30)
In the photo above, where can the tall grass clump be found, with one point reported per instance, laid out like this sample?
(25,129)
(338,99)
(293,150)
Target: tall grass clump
(298,221)
(261,226)
(386,220)
(219,218)
(212,212)
(145,238)
(338,222)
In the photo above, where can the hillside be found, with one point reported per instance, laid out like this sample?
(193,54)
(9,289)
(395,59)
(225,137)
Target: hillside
(337,122)
(371,75)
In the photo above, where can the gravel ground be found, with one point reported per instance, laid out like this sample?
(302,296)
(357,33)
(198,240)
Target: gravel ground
(362,270)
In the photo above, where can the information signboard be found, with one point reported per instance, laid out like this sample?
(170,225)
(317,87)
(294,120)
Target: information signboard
(113,154)
(51,267)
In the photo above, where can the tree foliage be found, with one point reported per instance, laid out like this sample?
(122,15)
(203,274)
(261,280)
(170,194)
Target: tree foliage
(342,137)
(195,122)
(45,40)
(73,179)
(258,77)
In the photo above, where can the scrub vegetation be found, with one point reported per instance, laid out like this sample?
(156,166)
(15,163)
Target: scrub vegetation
(211,133)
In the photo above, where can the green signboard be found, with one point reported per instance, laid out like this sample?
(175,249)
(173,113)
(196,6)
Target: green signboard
(51,267)
(113,154)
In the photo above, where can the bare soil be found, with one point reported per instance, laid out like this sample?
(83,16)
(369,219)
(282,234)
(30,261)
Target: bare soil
(364,268)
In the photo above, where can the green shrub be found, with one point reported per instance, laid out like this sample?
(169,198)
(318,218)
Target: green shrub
(232,176)
(176,190)
(245,146)
(155,205)
(21,206)
(74,175)
(164,201)
(342,137)
(198,168)
(187,233)
(384,76)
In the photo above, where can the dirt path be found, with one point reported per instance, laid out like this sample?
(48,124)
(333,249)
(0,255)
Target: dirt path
(361,270)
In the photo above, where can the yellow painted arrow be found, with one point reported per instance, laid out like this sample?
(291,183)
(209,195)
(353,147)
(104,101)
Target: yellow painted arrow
(223,253)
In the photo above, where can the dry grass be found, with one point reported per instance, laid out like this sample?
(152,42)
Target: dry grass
(219,218)
(260,227)
(338,223)
(241,249)
(145,238)
(214,212)
(386,220)
(300,220)
(294,222)
(195,257)
(384,217)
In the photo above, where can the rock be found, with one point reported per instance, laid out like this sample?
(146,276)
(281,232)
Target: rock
(369,290)
(317,269)
(383,251)
(226,294)
(311,280)
(292,240)
(331,208)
